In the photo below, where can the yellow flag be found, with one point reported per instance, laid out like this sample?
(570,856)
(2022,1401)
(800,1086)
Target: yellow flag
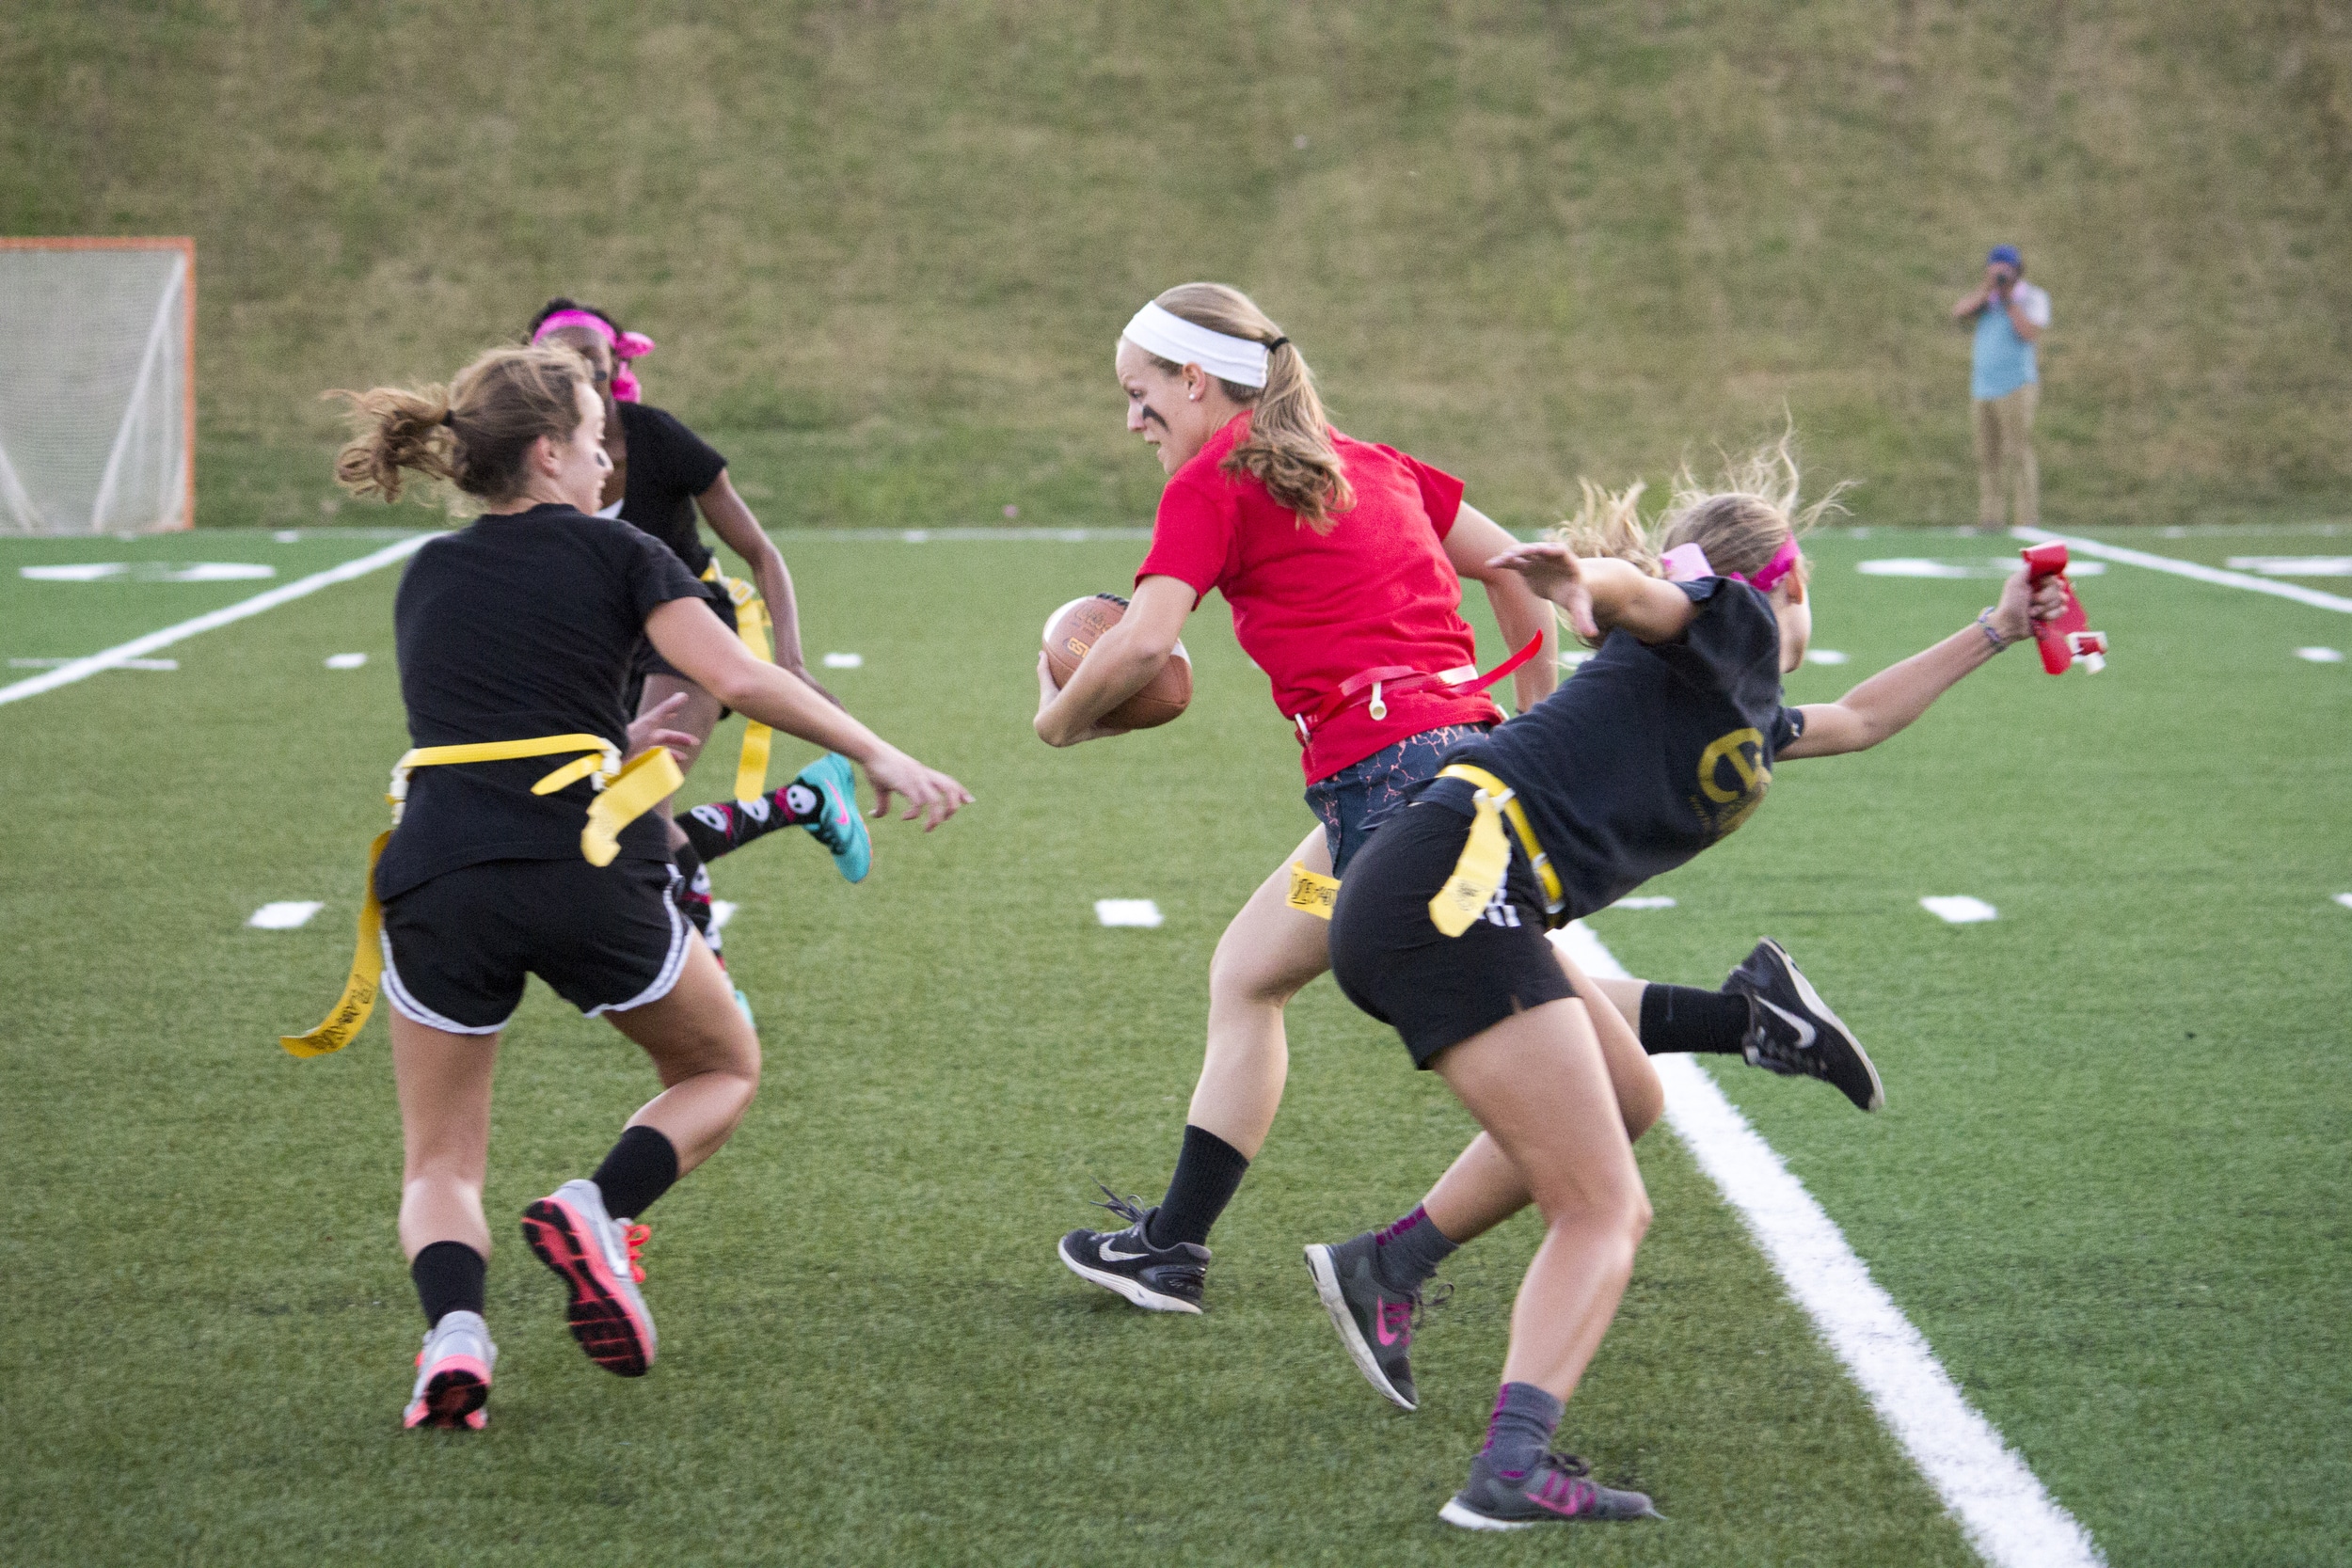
(1477,876)
(1312,893)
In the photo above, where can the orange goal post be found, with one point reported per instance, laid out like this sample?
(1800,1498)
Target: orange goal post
(97,384)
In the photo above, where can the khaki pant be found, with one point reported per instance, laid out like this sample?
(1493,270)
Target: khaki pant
(2004,458)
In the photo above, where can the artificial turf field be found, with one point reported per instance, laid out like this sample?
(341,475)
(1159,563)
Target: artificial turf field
(2109,1185)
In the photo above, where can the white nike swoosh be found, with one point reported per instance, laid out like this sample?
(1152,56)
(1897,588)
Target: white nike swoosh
(1806,1033)
(1108,1255)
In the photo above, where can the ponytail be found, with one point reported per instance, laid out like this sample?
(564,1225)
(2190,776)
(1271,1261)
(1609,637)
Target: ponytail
(473,432)
(394,428)
(1740,522)
(1609,523)
(1289,448)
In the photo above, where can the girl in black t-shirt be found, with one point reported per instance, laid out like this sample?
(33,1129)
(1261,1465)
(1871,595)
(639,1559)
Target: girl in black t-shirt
(515,636)
(661,474)
(1663,743)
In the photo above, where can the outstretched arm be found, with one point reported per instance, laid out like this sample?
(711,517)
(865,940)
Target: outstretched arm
(1890,700)
(1473,544)
(730,518)
(1602,595)
(689,636)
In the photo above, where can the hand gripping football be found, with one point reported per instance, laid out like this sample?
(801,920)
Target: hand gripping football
(1071,633)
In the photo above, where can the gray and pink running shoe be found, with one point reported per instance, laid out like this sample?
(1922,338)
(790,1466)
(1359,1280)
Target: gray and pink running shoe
(453,1375)
(1375,1322)
(1559,1490)
(596,1256)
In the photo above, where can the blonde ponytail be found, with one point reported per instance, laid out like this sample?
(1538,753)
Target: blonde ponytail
(1289,448)
(473,431)
(1609,523)
(1740,521)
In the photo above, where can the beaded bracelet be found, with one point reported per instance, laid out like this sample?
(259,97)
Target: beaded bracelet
(1984,625)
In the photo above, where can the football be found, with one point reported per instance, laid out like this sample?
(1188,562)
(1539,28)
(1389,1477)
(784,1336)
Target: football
(1072,629)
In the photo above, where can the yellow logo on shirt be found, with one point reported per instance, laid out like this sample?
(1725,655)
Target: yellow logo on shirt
(1732,780)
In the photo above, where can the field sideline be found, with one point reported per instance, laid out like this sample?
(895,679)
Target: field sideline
(2106,1186)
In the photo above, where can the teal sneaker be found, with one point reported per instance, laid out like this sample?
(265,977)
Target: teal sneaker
(839,827)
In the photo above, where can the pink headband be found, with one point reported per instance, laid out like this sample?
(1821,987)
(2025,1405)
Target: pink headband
(1688,563)
(625,346)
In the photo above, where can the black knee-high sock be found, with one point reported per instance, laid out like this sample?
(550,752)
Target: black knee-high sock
(724,826)
(1679,1019)
(1208,1172)
(450,1277)
(641,1166)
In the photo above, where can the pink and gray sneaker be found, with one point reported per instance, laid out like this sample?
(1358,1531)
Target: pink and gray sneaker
(453,1375)
(1375,1322)
(1559,1490)
(596,1256)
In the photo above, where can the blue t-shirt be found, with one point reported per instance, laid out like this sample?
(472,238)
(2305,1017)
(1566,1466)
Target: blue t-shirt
(2002,360)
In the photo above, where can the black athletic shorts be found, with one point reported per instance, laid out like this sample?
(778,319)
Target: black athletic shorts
(649,659)
(1391,961)
(457,948)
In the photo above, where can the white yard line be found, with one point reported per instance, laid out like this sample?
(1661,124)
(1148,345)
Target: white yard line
(82,669)
(2006,1514)
(2196,570)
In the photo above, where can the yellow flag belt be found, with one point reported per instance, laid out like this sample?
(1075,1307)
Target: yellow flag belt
(751,625)
(625,792)
(1487,858)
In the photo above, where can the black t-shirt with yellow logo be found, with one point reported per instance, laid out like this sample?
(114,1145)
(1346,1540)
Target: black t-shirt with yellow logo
(1650,753)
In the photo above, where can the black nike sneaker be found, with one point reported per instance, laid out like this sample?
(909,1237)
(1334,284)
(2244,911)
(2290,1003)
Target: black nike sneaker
(1158,1280)
(1790,1030)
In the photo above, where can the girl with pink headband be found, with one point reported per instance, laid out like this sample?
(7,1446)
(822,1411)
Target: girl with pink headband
(1663,744)
(662,475)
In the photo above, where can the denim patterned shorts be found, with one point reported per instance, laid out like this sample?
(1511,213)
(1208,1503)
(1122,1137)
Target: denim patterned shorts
(1353,800)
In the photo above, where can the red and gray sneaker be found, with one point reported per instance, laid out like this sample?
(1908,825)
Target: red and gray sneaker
(1559,1490)
(1792,1030)
(1375,1322)
(1156,1278)
(596,1256)
(453,1375)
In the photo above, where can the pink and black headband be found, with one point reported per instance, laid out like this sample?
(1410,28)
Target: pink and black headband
(625,346)
(1688,563)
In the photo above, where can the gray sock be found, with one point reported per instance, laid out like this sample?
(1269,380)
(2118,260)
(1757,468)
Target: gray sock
(1409,1251)
(1519,1431)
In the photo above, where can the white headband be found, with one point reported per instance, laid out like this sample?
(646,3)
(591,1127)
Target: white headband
(1172,337)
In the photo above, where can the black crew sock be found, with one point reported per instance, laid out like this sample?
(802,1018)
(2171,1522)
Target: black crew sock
(450,1277)
(1208,1172)
(641,1166)
(1675,1019)
(725,826)
(1519,1434)
(1409,1251)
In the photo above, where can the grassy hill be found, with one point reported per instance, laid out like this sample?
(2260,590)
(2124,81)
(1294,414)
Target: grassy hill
(886,246)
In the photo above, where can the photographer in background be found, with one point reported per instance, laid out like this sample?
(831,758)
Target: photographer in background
(2009,315)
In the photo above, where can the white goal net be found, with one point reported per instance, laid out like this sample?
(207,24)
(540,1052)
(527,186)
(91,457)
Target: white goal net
(97,385)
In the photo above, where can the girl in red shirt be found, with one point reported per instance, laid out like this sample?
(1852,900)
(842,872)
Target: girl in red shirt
(1343,562)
